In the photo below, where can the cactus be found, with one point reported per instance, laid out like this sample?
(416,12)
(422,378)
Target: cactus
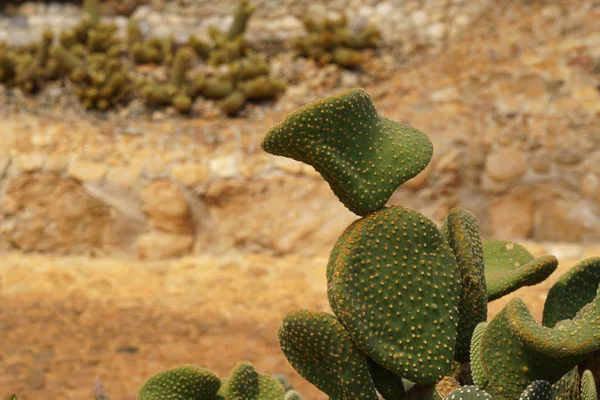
(242,15)
(509,266)
(572,291)
(321,350)
(468,393)
(330,41)
(462,233)
(362,156)
(477,371)
(292,395)
(537,390)
(588,386)
(184,382)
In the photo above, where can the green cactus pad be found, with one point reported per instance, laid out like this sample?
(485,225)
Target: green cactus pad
(462,233)
(567,387)
(243,382)
(292,395)
(269,388)
(363,157)
(468,393)
(572,291)
(477,371)
(395,286)
(509,266)
(588,386)
(525,351)
(390,386)
(537,390)
(184,382)
(321,350)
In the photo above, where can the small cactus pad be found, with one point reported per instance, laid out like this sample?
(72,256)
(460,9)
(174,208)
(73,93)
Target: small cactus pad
(572,291)
(524,350)
(321,350)
(468,393)
(509,266)
(243,382)
(394,284)
(462,233)
(292,395)
(588,386)
(567,387)
(184,382)
(363,157)
(390,386)
(537,390)
(477,371)
(269,388)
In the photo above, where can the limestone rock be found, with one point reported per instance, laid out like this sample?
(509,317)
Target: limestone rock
(87,171)
(190,174)
(161,245)
(166,207)
(506,164)
(511,216)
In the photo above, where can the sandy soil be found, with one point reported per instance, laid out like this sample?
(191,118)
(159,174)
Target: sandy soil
(66,321)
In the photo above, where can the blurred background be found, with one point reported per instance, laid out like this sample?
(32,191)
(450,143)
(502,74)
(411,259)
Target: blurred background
(141,225)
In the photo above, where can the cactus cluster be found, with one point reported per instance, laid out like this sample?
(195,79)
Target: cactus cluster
(98,65)
(409,298)
(188,382)
(331,41)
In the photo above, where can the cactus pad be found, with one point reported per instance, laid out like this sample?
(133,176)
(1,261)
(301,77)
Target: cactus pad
(184,382)
(468,393)
(321,350)
(292,395)
(588,386)
(476,367)
(462,233)
(363,157)
(390,386)
(567,387)
(509,266)
(537,390)
(525,351)
(394,284)
(243,382)
(572,291)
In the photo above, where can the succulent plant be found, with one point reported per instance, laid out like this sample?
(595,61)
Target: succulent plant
(188,382)
(410,298)
(331,41)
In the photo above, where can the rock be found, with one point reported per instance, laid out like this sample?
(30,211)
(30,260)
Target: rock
(125,177)
(4,163)
(57,214)
(511,216)
(553,222)
(449,161)
(167,207)
(56,162)
(36,379)
(590,184)
(190,174)
(506,164)
(445,95)
(87,171)
(419,181)
(224,167)
(30,162)
(541,162)
(436,31)
(161,245)
(419,18)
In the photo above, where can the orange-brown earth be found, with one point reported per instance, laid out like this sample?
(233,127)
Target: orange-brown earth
(66,321)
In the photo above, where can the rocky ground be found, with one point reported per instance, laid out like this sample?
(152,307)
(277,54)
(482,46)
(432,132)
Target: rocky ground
(509,95)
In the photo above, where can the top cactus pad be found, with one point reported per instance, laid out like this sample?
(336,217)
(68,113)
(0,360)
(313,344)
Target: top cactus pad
(363,156)
(509,266)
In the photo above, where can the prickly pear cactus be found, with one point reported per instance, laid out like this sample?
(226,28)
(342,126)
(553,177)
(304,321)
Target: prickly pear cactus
(391,297)
(462,233)
(537,390)
(185,382)
(468,393)
(363,156)
(321,350)
(572,291)
(588,386)
(509,266)
(477,371)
